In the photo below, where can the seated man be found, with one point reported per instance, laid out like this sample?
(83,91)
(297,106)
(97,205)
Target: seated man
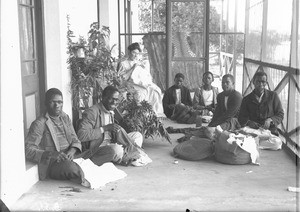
(176,95)
(52,142)
(107,141)
(229,102)
(205,98)
(262,107)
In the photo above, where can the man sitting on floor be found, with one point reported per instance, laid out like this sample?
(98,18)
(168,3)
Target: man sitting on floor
(177,99)
(105,140)
(229,102)
(262,107)
(52,142)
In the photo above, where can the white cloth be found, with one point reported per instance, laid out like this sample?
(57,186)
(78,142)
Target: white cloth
(247,143)
(266,139)
(99,176)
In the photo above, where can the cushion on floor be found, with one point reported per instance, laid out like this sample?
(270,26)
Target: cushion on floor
(194,149)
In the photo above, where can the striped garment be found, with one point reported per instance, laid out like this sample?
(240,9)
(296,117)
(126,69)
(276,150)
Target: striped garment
(60,133)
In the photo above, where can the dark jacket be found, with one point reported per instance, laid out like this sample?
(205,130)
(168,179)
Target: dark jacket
(170,98)
(222,114)
(269,107)
(41,137)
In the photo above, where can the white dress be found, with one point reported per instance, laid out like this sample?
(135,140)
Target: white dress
(141,79)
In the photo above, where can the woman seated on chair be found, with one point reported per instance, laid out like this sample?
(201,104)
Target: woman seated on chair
(205,98)
(137,73)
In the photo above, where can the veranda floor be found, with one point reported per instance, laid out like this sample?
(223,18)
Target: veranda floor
(167,186)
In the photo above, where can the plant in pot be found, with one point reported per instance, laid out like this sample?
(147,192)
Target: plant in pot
(92,68)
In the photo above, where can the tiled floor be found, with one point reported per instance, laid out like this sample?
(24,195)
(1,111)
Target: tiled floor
(167,186)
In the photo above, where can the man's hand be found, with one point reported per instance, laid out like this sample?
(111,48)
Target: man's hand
(210,108)
(199,107)
(172,106)
(253,124)
(70,153)
(57,156)
(267,123)
(112,127)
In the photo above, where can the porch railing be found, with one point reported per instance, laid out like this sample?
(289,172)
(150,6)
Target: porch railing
(285,81)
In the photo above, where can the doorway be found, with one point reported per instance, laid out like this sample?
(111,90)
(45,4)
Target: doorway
(32,59)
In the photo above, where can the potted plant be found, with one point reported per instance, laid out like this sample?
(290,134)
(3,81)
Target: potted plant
(92,68)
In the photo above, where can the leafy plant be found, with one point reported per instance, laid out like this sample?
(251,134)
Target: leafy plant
(141,117)
(94,69)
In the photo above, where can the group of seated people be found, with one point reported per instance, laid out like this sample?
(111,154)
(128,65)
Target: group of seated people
(260,109)
(53,143)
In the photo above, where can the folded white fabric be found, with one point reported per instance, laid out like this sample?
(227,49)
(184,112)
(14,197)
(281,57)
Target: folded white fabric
(266,139)
(99,176)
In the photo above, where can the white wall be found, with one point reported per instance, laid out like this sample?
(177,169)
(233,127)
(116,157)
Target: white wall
(57,73)
(12,157)
(14,180)
(82,13)
(108,10)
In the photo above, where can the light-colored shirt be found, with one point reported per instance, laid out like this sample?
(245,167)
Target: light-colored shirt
(107,117)
(208,97)
(225,101)
(259,98)
(178,96)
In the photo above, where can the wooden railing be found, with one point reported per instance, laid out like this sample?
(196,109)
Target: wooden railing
(285,81)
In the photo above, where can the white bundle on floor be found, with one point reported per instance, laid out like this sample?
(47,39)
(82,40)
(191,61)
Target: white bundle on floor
(99,176)
(266,139)
(247,143)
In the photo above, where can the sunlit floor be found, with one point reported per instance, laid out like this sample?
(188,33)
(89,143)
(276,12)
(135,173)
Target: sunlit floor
(167,186)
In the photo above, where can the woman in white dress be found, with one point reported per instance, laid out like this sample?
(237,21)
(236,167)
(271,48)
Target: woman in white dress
(137,73)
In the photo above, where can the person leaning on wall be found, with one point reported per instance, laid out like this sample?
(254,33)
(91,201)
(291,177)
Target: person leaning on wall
(52,142)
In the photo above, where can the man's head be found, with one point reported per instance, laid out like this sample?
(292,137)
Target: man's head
(54,102)
(207,78)
(260,80)
(110,97)
(227,83)
(178,80)
(134,49)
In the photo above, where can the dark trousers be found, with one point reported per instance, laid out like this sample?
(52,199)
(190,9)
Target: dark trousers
(66,170)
